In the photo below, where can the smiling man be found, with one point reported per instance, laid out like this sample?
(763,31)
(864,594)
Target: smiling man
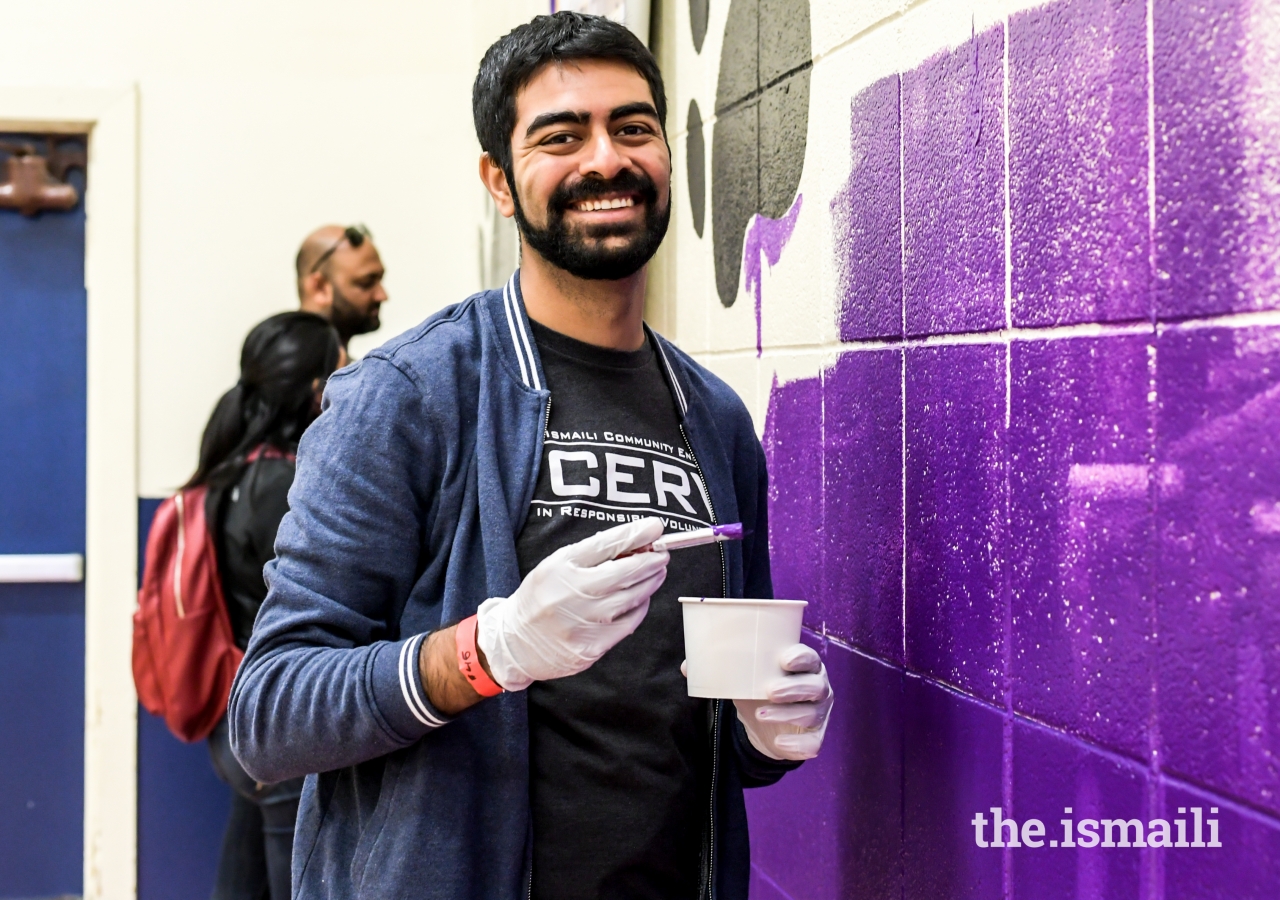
(467,632)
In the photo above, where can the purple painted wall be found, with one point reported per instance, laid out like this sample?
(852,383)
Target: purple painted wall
(1046,569)
(953,189)
(1078,189)
(867,217)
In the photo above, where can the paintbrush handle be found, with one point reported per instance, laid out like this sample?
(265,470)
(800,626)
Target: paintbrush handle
(682,540)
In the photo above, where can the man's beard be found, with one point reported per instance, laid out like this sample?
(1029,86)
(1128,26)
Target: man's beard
(347,318)
(581,251)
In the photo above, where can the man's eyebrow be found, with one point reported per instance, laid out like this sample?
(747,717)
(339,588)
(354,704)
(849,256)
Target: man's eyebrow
(557,118)
(639,108)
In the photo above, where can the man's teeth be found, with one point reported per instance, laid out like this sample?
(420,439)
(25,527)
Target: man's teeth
(618,203)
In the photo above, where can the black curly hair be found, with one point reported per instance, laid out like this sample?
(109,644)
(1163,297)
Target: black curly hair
(515,58)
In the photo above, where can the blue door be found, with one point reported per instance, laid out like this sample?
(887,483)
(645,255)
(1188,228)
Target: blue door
(42,526)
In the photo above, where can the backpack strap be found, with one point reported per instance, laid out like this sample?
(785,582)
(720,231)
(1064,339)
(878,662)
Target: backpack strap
(267,451)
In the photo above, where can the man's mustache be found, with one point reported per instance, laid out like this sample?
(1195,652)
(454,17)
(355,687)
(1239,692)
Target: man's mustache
(595,188)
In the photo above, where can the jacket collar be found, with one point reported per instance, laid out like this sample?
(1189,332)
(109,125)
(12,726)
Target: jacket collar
(677,390)
(518,335)
(519,332)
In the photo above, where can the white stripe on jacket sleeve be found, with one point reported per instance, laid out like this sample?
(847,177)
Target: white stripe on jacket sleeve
(409,652)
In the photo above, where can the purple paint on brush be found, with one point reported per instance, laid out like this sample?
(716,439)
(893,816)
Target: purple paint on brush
(1078,163)
(766,238)
(697,537)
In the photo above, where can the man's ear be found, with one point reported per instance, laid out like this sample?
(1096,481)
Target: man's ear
(495,182)
(317,293)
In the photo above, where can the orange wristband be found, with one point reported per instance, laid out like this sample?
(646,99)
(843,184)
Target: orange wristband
(469,660)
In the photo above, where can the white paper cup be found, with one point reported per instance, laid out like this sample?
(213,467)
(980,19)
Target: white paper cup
(732,646)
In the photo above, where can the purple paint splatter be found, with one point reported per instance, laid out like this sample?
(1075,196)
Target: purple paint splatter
(767,238)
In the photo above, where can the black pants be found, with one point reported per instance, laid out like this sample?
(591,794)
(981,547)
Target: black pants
(257,848)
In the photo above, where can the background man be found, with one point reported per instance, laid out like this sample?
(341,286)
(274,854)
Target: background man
(340,277)
(485,672)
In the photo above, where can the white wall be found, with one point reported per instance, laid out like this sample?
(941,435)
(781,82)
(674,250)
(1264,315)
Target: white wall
(259,121)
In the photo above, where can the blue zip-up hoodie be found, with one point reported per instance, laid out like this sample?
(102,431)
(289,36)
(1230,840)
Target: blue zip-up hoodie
(410,491)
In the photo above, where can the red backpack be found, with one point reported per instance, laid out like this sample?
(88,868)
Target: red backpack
(184,654)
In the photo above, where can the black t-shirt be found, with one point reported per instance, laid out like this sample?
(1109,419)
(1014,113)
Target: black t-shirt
(245,517)
(619,754)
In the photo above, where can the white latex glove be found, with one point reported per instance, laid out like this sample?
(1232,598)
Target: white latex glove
(573,607)
(793,721)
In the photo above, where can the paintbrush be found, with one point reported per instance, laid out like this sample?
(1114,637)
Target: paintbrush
(681,539)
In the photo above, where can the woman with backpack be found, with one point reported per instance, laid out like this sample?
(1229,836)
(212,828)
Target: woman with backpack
(247,466)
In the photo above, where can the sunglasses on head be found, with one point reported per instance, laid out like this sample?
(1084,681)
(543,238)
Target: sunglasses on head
(353,234)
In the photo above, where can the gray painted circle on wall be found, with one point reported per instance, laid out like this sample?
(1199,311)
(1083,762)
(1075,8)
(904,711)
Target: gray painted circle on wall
(696,167)
(698,12)
(762,120)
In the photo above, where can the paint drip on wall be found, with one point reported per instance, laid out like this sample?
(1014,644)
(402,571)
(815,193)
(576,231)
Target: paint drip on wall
(766,239)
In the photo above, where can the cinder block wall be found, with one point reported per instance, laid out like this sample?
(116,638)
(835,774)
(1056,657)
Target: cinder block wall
(1000,282)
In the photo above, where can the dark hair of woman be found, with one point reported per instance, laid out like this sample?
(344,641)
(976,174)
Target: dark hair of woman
(284,362)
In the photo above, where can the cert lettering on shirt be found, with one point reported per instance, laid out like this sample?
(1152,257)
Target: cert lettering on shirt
(612,476)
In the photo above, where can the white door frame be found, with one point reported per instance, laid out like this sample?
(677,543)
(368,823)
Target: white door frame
(110,117)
